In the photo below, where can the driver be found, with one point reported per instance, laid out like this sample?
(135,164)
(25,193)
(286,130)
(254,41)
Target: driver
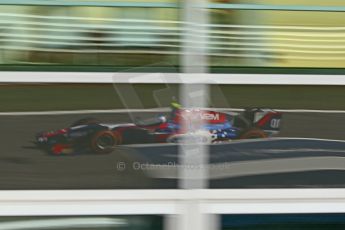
(175,106)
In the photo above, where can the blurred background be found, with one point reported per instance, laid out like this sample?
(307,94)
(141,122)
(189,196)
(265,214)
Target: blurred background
(114,33)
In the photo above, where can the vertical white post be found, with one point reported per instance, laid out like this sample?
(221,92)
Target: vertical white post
(193,155)
(195,19)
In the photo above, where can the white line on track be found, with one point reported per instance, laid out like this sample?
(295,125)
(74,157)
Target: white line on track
(287,138)
(93,111)
(235,142)
(67,112)
(287,110)
(255,168)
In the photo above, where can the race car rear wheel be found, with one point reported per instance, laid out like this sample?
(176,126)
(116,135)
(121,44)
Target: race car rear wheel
(104,142)
(253,134)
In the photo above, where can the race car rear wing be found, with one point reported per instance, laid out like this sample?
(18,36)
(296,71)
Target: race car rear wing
(265,119)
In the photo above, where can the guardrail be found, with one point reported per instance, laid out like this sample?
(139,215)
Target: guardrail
(22,33)
(230,6)
(164,37)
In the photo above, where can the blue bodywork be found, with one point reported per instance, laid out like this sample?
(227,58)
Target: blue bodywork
(218,131)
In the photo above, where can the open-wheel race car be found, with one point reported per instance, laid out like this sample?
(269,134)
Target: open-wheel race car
(91,135)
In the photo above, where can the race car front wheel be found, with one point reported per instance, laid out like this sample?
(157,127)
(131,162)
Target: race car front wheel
(253,134)
(104,142)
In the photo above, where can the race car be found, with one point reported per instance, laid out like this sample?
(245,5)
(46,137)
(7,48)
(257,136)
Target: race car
(91,135)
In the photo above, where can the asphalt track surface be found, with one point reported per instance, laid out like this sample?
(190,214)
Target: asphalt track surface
(22,166)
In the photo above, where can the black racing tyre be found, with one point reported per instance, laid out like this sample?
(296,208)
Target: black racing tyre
(253,134)
(104,141)
(85,121)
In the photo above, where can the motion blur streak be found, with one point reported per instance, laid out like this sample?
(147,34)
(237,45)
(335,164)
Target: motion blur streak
(118,31)
(63,223)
